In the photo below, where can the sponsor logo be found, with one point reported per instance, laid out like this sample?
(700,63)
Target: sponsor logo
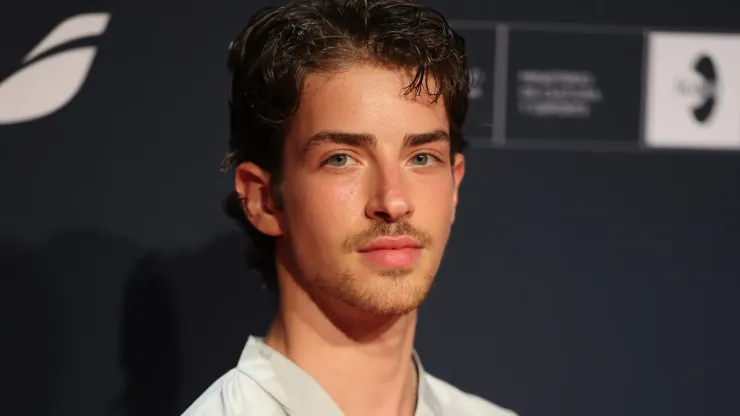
(693,91)
(477,80)
(706,88)
(480,47)
(557,93)
(570,89)
(50,76)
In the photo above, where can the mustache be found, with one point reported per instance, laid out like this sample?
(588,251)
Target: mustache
(385,229)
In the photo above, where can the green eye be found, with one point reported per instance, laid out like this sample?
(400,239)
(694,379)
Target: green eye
(420,159)
(338,160)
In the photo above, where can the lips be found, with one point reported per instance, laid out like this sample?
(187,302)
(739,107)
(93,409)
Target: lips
(391,243)
(392,252)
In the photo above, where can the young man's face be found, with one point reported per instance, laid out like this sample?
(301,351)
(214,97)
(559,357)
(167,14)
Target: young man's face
(369,189)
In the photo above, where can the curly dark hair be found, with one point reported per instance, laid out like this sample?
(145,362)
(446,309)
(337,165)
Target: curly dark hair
(270,58)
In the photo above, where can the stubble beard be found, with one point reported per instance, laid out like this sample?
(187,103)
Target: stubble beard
(379,293)
(385,293)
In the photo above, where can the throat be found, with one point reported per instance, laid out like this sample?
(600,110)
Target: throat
(376,394)
(362,379)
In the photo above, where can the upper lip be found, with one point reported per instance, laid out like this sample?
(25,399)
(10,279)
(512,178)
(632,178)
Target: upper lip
(391,243)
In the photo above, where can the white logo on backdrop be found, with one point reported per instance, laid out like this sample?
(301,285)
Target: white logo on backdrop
(557,93)
(693,91)
(44,86)
(476,78)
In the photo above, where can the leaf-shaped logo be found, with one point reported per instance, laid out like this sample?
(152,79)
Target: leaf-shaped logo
(44,86)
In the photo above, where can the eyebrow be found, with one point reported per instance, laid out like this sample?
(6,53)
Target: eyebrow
(369,140)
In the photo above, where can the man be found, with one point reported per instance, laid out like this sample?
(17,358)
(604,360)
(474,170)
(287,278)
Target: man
(346,119)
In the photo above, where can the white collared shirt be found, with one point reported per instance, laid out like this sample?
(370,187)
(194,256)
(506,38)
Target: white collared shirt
(266,383)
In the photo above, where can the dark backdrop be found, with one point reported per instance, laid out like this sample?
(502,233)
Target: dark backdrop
(581,279)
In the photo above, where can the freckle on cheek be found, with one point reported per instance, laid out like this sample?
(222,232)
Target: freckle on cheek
(349,198)
(346,196)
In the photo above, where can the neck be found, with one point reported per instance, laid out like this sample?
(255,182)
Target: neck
(363,362)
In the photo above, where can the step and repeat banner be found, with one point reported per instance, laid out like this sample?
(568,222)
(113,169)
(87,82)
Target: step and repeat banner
(602,87)
(544,85)
(593,268)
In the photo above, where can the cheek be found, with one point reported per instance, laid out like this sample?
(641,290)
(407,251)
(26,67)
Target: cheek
(326,210)
(433,196)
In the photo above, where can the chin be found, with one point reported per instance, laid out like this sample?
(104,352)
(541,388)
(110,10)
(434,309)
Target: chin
(389,292)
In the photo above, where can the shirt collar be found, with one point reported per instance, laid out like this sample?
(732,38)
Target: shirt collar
(299,393)
(426,402)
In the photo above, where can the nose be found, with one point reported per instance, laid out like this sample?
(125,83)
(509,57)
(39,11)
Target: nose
(389,199)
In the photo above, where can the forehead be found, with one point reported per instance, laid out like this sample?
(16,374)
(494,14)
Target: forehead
(367,98)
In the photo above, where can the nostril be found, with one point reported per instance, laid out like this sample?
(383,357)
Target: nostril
(383,215)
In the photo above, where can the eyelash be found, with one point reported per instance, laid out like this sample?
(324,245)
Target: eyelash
(435,158)
(429,155)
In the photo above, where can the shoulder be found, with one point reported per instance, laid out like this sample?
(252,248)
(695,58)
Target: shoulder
(234,394)
(453,399)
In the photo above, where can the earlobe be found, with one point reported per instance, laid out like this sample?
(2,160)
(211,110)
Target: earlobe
(253,187)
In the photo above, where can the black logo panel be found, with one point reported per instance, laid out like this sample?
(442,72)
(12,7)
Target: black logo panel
(574,86)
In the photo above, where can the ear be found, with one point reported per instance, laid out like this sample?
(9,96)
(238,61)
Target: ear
(253,188)
(458,171)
